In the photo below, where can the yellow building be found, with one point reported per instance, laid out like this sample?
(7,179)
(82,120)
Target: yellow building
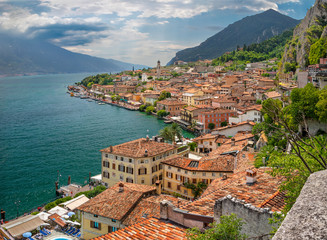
(137,161)
(180,170)
(109,211)
(191,95)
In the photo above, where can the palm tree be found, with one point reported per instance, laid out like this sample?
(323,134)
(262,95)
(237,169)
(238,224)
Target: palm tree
(166,133)
(176,131)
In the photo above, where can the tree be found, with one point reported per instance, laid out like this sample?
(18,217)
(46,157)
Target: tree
(211,126)
(224,124)
(142,108)
(164,95)
(149,110)
(192,145)
(171,132)
(162,113)
(229,228)
(196,189)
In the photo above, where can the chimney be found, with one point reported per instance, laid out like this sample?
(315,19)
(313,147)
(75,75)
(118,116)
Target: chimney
(110,148)
(69,180)
(251,177)
(121,187)
(232,141)
(158,187)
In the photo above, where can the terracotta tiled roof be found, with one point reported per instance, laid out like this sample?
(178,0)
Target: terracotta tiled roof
(235,185)
(57,219)
(138,148)
(273,94)
(223,163)
(171,102)
(114,204)
(235,125)
(275,202)
(150,207)
(203,137)
(151,228)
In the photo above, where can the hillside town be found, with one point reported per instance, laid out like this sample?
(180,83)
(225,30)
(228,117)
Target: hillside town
(157,188)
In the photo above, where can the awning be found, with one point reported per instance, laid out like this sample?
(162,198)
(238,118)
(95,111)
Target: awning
(75,202)
(58,210)
(25,224)
(183,122)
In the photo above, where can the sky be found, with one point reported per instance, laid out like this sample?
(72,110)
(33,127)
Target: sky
(134,31)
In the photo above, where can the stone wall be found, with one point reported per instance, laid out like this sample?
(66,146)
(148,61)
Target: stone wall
(308,217)
(256,219)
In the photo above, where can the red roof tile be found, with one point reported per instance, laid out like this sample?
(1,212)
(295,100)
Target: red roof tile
(138,148)
(151,228)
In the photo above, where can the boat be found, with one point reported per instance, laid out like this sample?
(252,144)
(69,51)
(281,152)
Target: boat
(101,103)
(90,100)
(168,121)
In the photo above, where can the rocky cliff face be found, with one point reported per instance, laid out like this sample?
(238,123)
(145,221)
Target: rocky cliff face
(309,39)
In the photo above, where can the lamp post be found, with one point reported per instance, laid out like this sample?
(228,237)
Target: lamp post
(17,204)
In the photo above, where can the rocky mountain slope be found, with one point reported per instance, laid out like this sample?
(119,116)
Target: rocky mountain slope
(252,29)
(309,42)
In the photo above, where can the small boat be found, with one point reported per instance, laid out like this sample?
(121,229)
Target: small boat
(101,103)
(72,94)
(90,100)
(168,121)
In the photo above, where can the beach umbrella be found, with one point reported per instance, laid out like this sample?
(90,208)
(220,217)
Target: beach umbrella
(71,214)
(76,223)
(68,221)
(27,234)
(65,216)
(45,224)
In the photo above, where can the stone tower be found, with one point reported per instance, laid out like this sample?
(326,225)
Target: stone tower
(158,69)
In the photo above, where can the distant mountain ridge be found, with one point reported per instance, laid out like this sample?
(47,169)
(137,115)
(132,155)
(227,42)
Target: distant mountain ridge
(251,29)
(19,55)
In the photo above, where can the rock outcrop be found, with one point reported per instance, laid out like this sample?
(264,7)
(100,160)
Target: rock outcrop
(299,52)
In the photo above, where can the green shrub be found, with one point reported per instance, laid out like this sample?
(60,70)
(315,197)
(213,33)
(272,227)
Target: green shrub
(50,205)
(35,213)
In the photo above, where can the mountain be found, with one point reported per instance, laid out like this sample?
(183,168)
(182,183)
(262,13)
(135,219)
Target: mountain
(309,42)
(19,55)
(252,29)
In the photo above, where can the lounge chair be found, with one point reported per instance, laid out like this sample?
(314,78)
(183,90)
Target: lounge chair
(75,234)
(47,231)
(71,231)
(79,235)
(68,230)
(43,233)
(30,238)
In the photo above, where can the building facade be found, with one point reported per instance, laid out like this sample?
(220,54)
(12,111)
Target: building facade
(137,161)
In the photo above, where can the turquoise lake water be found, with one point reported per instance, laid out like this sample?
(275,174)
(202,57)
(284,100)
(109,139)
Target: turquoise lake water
(43,129)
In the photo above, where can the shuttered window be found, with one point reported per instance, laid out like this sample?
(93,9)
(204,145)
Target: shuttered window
(95,225)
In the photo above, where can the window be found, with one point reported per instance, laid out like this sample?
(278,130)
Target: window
(114,166)
(179,170)
(121,168)
(105,164)
(142,171)
(121,159)
(106,155)
(169,185)
(213,174)
(130,160)
(142,181)
(129,170)
(112,229)
(194,180)
(204,174)
(160,166)
(169,167)
(185,172)
(113,220)
(95,225)
(116,157)
(105,174)
(129,180)
(185,179)
(178,187)
(185,191)
(194,173)
(121,178)
(169,174)
(178,177)
(154,169)
(95,215)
